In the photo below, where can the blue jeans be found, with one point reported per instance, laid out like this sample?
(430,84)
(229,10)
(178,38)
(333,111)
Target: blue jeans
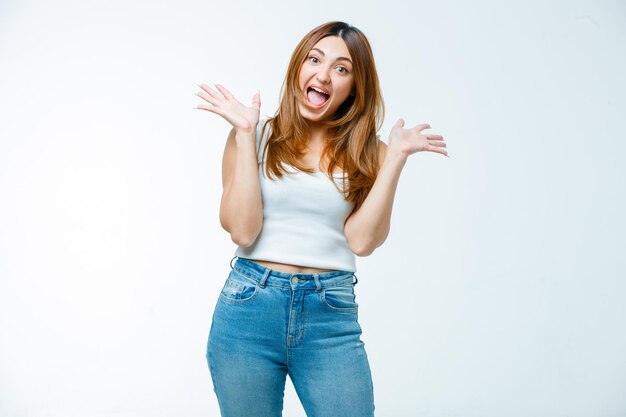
(268,324)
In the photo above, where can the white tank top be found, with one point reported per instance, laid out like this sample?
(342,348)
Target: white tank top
(303,218)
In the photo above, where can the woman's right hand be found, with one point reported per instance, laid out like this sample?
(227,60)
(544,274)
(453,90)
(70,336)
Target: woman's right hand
(244,119)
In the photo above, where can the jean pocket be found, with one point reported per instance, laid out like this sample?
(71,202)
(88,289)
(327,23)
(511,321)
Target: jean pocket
(237,290)
(340,298)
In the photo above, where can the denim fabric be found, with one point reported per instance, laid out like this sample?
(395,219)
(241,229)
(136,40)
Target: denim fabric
(268,324)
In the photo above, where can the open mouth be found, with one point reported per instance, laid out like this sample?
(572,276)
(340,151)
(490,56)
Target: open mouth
(316,97)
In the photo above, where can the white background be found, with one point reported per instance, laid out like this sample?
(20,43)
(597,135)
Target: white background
(499,291)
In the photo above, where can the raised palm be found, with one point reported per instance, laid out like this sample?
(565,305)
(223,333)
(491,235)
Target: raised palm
(409,141)
(242,118)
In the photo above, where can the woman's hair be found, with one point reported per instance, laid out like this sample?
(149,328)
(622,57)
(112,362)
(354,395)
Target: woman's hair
(352,144)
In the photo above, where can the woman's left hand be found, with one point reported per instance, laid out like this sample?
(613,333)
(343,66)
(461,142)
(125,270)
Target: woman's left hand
(409,141)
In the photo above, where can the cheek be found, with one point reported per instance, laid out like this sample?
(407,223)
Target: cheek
(303,77)
(344,84)
(305,70)
(345,90)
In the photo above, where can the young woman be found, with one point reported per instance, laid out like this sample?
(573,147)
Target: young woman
(304,193)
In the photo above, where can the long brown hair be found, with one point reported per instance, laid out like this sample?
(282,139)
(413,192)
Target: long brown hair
(352,144)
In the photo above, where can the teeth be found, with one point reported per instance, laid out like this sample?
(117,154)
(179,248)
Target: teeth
(320,91)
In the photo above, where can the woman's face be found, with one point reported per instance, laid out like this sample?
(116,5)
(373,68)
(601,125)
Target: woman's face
(328,67)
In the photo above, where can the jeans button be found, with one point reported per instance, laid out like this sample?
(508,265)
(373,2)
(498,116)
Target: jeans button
(294,280)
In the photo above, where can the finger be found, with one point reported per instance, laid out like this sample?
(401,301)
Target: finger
(438,143)
(206,97)
(421,127)
(256,100)
(400,122)
(224,91)
(209,90)
(437,150)
(435,137)
(212,109)
(435,140)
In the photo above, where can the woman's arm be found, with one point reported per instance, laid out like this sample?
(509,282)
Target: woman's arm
(241,211)
(368,227)
(241,208)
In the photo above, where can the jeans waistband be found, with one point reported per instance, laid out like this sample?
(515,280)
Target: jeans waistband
(264,275)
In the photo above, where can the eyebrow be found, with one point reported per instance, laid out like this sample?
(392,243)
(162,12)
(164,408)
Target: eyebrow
(338,59)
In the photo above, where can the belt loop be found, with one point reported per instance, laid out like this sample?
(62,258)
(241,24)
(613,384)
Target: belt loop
(266,273)
(231,261)
(357,280)
(318,285)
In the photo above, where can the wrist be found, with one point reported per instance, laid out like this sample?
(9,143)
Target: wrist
(395,155)
(245,135)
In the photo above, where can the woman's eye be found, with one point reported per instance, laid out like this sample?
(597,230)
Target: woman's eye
(315,60)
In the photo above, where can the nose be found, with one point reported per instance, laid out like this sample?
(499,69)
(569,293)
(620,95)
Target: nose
(323,75)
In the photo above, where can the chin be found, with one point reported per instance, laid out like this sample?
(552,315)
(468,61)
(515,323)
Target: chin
(317,118)
(312,115)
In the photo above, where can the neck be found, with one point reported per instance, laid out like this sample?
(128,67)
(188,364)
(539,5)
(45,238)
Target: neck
(317,133)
